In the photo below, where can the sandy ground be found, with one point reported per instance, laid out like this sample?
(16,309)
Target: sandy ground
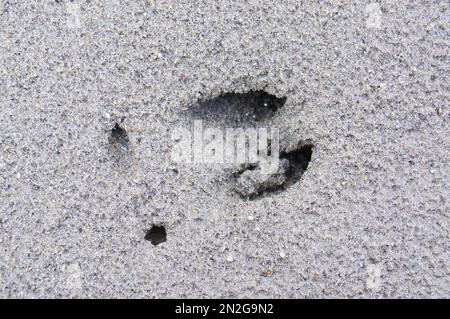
(365,83)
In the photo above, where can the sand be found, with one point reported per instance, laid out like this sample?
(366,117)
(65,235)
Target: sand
(91,91)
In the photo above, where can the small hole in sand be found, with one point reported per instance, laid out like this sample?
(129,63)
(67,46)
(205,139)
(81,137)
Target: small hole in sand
(298,162)
(119,135)
(156,235)
(120,146)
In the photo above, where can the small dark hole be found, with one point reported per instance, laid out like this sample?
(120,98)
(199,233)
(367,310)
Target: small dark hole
(298,160)
(119,135)
(156,235)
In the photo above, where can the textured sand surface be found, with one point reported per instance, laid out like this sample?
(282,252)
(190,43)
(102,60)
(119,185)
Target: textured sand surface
(365,83)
